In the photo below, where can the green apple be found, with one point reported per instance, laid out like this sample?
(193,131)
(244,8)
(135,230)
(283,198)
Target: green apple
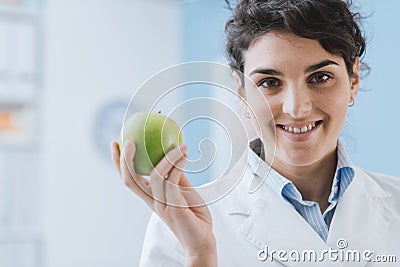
(154,135)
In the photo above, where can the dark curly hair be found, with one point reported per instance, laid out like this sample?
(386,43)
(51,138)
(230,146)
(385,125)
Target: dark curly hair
(329,21)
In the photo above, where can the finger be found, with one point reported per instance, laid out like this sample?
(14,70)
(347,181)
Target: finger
(128,155)
(195,202)
(166,164)
(189,193)
(190,198)
(173,194)
(179,191)
(133,181)
(157,181)
(173,177)
(115,155)
(157,184)
(184,182)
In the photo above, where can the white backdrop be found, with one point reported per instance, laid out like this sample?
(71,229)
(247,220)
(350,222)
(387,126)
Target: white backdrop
(96,52)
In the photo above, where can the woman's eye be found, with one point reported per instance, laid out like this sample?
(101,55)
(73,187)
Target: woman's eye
(269,83)
(320,78)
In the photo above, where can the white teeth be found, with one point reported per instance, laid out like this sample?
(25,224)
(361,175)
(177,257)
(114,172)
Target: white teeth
(303,129)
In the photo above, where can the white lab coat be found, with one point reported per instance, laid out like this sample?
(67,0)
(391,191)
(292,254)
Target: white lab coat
(367,217)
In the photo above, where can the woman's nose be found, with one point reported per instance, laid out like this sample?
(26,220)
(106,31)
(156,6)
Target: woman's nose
(296,102)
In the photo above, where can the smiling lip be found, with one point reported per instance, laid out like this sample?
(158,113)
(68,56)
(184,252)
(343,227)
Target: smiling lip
(299,132)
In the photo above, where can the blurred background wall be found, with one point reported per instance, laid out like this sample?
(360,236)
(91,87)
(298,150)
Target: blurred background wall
(97,54)
(67,72)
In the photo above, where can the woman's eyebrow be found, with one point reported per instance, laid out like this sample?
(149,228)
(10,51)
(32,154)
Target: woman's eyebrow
(311,68)
(265,71)
(321,64)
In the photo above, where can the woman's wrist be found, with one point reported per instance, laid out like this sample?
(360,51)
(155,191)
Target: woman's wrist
(206,257)
(205,260)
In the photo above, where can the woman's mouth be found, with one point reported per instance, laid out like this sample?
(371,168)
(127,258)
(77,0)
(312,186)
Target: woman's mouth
(298,132)
(302,129)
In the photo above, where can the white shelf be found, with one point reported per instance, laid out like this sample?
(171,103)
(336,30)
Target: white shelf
(16,100)
(21,239)
(18,235)
(17,143)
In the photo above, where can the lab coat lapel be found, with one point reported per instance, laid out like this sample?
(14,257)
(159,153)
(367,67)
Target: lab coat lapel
(361,218)
(274,223)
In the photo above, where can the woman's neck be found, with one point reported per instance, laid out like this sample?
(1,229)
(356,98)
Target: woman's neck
(313,181)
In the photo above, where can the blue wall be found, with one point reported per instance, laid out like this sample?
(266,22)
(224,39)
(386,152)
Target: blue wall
(203,23)
(203,40)
(374,121)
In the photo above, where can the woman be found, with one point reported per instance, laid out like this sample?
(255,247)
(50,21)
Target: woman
(315,207)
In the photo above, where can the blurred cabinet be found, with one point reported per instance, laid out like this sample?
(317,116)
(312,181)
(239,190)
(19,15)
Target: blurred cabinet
(20,180)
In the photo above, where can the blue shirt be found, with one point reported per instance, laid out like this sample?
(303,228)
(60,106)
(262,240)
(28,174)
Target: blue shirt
(309,210)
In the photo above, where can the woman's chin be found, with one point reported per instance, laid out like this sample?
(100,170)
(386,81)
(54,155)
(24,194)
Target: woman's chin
(296,158)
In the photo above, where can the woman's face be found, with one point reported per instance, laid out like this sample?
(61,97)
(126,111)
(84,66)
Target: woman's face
(308,90)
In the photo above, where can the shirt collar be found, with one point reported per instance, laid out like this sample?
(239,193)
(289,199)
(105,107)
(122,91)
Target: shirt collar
(344,174)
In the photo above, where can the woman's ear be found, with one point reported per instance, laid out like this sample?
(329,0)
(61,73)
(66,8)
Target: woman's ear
(238,80)
(355,80)
(241,93)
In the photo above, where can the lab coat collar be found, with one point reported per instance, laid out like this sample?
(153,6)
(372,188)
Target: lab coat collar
(361,218)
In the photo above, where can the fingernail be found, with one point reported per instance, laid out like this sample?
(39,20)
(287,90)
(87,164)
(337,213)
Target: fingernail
(183,147)
(128,144)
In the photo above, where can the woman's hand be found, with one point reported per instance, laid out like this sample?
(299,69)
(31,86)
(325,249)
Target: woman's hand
(191,225)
